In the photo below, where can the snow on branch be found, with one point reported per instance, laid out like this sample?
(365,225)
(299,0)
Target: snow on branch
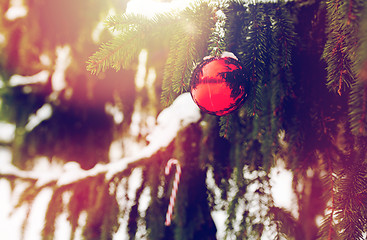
(170,121)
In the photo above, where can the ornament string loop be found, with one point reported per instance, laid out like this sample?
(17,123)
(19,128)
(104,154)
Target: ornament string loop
(174,189)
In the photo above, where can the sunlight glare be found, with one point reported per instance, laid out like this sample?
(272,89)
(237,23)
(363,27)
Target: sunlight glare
(151,7)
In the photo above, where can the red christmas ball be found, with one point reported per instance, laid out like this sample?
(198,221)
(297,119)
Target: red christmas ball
(217,85)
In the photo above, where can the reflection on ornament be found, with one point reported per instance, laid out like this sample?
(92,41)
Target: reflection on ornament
(217,85)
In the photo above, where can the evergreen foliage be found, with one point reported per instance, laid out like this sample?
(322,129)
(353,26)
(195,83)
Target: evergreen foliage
(358,89)
(306,75)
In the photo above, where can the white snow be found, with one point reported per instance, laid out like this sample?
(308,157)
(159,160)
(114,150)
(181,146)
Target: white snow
(133,183)
(6,205)
(115,152)
(121,192)
(43,113)
(223,55)
(16,10)
(229,54)
(219,215)
(2,38)
(81,223)
(63,229)
(46,171)
(7,131)
(2,84)
(113,110)
(45,60)
(10,220)
(37,215)
(142,69)
(143,206)
(101,26)
(282,191)
(41,77)
(63,60)
(181,113)
(151,77)
(58,81)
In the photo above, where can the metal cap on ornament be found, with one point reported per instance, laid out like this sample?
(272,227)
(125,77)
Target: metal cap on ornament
(218,84)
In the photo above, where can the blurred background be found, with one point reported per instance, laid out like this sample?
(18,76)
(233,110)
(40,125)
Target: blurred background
(50,106)
(53,111)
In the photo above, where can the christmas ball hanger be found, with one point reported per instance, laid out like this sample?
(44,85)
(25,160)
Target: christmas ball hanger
(217,84)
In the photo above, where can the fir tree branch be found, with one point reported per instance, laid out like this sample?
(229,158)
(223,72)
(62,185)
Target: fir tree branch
(343,32)
(216,40)
(189,114)
(226,123)
(188,34)
(284,35)
(178,67)
(117,53)
(338,63)
(134,32)
(351,202)
(188,46)
(331,230)
(255,55)
(134,212)
(91,189)
(53,211)
(126,22)
(327,228)
(286,224)
(235,25)
(358,109)
(22,176)
(358,94)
